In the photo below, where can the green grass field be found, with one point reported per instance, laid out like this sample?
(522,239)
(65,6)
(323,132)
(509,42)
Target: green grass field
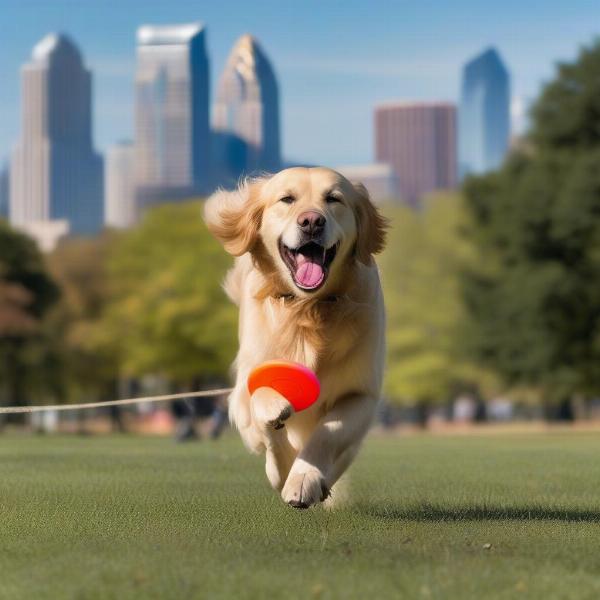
(133,517)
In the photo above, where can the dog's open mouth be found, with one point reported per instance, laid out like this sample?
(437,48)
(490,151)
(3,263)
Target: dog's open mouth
(309,264)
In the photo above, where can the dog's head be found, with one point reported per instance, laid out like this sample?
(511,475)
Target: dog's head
(310,222)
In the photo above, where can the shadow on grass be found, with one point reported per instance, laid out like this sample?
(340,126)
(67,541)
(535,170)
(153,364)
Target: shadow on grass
(433,513)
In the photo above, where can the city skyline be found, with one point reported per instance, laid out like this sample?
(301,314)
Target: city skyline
(329,82)
(56,182)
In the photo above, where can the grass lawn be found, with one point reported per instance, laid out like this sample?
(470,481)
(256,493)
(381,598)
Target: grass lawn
(133,517)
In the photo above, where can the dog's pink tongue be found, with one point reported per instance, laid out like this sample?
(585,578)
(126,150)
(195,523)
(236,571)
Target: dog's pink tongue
(308,274)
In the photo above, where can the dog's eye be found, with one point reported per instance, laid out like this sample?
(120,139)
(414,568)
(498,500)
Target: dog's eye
(288,199)
(331,199)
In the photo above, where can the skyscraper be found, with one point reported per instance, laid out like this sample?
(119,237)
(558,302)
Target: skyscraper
(484,117)
(419,140)
(119,186)
(246,112)
(172,134)
(55,173)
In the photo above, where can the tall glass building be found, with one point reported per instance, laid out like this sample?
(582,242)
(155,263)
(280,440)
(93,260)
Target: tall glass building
(246,112)
(55,173)
(172,133)
(484,116)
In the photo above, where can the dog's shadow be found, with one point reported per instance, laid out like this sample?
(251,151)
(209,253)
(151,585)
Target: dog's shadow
(435,513)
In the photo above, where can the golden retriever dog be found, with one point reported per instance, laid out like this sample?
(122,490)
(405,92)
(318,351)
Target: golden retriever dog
(308,290)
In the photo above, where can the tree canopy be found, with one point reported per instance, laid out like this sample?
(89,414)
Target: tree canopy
(534,299)
(89,359)
(27,292)
(421,269)
(168,309)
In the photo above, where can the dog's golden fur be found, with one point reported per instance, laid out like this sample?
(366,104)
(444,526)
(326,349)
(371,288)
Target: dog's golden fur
(336,330)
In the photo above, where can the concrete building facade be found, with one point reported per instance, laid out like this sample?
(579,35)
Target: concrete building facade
(418,139)
(119,186)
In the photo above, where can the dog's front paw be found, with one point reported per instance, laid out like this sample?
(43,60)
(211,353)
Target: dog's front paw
(304,487)
(270,410)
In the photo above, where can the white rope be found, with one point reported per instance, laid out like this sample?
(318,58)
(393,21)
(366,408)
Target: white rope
(7,410)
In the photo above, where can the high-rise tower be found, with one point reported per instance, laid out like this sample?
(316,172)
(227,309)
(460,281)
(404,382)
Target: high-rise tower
(484,116)
(55,173)
(246,112)
(172,133)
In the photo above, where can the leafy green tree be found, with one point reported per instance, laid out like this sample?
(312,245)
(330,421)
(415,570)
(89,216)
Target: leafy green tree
(535,298)
(27,292)
(168,311)
(89,359)
(421,270)
(567,114)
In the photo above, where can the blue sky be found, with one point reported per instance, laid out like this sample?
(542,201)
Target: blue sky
(335,59)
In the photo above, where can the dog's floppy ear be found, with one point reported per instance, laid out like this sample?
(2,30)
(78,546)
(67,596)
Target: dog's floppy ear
(234,217)
(371,226)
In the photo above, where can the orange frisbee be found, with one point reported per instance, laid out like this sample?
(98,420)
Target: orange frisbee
(295,382)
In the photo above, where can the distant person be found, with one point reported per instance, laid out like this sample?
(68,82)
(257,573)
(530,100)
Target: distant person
(187,413)
(116,419)
(219,417)
(183,413)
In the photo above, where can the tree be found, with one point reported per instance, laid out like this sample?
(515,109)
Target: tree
(535,301)
(421,270)
(567,114)
(89,359)
(168,311)
(27,293)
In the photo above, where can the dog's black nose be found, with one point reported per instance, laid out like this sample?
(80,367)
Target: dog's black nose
(311,222)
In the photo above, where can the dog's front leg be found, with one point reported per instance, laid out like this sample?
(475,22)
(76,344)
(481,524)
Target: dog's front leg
(329,451)
(269,411)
